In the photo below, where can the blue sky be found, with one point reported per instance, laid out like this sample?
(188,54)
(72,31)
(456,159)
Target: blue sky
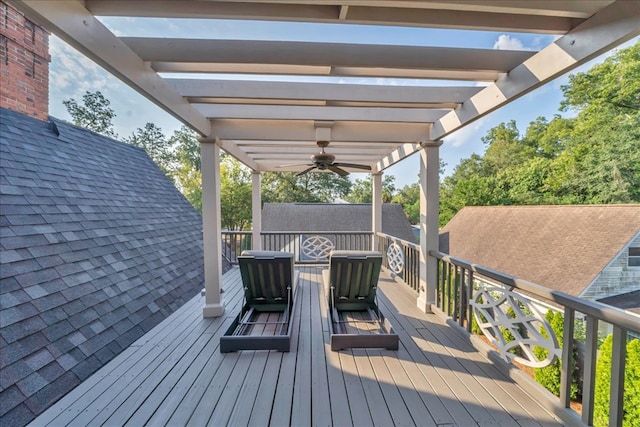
(71,74)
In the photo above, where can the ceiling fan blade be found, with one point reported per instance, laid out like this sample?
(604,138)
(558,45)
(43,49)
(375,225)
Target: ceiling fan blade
(351,165)
(306,170)
(337,170)
(295,164)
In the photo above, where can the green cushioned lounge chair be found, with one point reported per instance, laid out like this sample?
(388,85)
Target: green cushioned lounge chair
(269,282)
(351,283)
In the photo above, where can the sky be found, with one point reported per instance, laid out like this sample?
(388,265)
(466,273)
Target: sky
(72,74)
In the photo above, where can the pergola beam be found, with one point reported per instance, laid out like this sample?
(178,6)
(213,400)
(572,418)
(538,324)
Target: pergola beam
(265,90)
(321,54)
(492,16)
(296,130)
(287,112)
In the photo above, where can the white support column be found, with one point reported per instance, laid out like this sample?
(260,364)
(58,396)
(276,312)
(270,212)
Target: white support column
(256,210)
(376,208)
(429,211)
(211,228)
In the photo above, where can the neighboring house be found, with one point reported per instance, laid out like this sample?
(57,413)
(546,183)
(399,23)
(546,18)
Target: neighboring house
(97,247)
(592,252)
(310,218)
(334,217)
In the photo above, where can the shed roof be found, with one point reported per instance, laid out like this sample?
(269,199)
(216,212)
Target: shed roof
(629,301)
(334,217)
(560,247)
(97,247)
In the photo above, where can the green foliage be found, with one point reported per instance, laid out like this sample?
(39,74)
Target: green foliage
(631,405)
(235,194)
(282,187)
(592,158)
(94,113)
(549,376)
(362,190)
(507,335)
(187,174)
(409,198)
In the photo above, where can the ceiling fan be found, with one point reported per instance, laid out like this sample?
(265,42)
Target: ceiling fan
(323,161)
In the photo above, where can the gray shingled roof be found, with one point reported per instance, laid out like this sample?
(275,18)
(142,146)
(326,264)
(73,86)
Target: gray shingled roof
(97,247)
(334,217)
(560,247)
(629,301)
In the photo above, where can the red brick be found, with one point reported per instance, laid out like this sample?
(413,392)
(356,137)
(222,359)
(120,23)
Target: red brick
(24,78)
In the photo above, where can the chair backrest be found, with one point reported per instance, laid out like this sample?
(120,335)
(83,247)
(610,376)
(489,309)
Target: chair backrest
(268,278)
(353,275)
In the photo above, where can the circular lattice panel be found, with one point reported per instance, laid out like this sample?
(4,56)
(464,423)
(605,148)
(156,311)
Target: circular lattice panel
(501,313)
(395,258)
(316,248)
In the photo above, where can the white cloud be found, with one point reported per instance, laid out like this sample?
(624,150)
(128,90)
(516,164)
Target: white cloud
(466,135)
(72,72)
(506,42)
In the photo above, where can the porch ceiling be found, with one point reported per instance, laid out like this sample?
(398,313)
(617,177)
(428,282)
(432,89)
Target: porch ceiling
(266,124)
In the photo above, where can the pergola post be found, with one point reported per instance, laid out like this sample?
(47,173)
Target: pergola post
(256,210)
(429,211)
(211,228)
(376,208)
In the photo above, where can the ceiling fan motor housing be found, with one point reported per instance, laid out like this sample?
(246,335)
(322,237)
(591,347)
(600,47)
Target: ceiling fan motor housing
(323,159)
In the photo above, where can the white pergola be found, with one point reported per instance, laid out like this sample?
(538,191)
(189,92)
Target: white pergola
(265,124)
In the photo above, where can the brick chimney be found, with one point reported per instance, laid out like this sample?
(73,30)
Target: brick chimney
(24,64)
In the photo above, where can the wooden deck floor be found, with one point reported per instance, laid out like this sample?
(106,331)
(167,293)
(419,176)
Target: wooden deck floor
(176,376)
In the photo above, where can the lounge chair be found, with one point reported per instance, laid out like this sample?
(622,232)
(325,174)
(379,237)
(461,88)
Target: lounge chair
(263,323)
(355,318)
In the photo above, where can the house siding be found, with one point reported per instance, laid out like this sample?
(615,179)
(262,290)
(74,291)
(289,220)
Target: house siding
(617,277)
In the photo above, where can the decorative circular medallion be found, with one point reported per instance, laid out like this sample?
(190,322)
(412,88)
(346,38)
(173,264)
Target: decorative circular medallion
(316,248)
(498,311)
(395,258)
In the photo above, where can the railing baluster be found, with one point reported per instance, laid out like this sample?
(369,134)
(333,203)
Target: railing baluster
(461,297)
(469,298)
(588,385)
(618,357)
(567,358)
(453,299)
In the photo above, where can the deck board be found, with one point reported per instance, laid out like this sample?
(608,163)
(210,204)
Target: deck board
(176,376)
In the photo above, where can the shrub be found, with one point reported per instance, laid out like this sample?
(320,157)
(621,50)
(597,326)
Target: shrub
(549,376)
(631,384)
(508,336)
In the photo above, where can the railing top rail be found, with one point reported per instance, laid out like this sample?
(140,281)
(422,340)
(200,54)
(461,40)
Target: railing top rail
(596,309)
(398,240)
(318,232)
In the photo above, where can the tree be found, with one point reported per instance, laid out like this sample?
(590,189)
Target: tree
(362,190)
(187,174)
(319,187)
(504,148)
(94,113)
(614,83)
(235,194)
(409,198)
